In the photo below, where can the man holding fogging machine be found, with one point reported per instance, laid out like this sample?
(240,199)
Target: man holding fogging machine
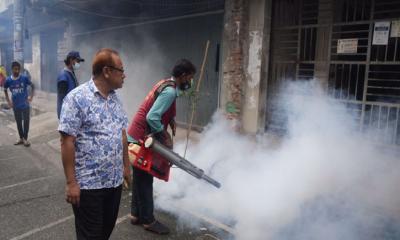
(155,114)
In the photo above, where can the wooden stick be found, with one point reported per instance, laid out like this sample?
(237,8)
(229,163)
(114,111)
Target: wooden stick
(195,95)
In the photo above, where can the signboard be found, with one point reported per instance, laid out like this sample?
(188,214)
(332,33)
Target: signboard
(395,31)
(347,45)
(18,27)
(61,50)
(18,56)
(381,33)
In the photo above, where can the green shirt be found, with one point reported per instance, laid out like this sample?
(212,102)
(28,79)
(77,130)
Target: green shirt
(160,106)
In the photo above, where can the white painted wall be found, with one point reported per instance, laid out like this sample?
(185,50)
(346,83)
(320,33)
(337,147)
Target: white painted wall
(4,4)
(34,67)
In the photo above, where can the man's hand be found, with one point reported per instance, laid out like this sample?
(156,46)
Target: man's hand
(164,138)
(127,164)
(72,193)
(168,140)
(10,104)
(30,99)
(172,124)
(127,176)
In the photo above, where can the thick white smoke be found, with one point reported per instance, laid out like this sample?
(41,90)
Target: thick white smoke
(325,180)
(143,61)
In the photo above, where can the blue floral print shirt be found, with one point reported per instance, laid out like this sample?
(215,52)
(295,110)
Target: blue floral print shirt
(97,124)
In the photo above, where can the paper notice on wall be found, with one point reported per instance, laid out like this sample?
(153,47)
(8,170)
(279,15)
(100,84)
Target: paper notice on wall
(18,56)
(395,29)
(18,27)
(347,45)
(381,33)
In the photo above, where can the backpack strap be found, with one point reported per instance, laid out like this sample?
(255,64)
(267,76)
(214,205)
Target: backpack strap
(167,83)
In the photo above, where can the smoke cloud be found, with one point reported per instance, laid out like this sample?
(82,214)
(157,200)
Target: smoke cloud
(143,60)
(324,180)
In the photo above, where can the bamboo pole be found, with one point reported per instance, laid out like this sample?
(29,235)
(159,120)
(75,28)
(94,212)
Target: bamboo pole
(195,96)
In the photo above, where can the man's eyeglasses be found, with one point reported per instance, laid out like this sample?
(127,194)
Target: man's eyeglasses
(118,69)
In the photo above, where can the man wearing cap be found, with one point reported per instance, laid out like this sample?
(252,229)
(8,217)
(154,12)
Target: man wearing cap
(66,80)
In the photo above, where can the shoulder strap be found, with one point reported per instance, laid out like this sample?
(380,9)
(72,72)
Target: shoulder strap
(73,76)
(167,83)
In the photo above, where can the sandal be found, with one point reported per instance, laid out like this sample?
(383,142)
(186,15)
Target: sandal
(157,227)
(19,142)
(134,220)
(27,143)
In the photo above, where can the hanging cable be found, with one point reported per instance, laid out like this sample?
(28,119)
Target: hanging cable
(93,13)
(206,6)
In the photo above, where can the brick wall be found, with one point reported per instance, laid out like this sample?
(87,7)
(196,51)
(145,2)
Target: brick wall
(234,42)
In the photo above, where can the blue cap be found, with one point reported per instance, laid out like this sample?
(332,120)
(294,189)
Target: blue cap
(75,55)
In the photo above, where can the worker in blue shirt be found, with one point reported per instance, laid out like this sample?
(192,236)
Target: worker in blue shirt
(20,102)
(66,80)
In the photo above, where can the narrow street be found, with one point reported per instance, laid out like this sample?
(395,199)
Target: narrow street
(32,204)
(284,118)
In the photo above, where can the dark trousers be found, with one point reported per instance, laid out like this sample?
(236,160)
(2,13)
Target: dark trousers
(142,205)
(97,212)
(22,117)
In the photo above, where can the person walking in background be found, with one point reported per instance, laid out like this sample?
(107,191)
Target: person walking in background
(66,80)
(3,76)
(20,102)
(94,148)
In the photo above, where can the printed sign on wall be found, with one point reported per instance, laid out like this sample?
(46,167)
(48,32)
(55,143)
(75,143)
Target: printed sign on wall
(395,31)
(381,33)
(347,45)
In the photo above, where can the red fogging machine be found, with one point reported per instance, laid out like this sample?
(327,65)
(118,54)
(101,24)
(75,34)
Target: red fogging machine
(156,159)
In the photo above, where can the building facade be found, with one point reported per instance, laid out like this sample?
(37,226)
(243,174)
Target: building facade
(351,46)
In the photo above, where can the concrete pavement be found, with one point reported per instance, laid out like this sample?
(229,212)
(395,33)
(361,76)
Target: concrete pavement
(32,204)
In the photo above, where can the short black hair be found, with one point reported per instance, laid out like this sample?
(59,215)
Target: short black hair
(15,64)
(183,66)
(68,60)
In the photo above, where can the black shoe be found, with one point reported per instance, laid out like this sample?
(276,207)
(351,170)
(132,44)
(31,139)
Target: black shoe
(157,227)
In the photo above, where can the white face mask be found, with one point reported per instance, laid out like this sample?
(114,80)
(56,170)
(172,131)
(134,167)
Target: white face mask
(76,66)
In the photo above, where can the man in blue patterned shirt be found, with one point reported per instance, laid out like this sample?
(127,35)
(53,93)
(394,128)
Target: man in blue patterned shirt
(94,148)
